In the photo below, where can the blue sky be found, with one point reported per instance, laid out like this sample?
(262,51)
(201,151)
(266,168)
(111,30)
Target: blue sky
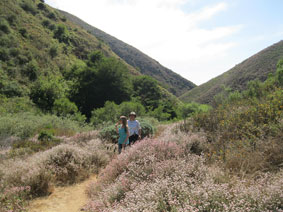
(198,39)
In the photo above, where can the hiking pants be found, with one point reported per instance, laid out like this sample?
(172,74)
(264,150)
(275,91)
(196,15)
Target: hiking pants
(133,139)
(120,146)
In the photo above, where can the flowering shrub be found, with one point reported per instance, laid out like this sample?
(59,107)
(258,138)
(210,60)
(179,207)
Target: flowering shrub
(63,164)
(12,199)
(164,174)
(246,133)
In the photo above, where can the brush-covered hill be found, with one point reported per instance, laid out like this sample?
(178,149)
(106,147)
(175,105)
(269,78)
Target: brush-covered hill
(146,65)
(45,57)
(36,39)
(256,67)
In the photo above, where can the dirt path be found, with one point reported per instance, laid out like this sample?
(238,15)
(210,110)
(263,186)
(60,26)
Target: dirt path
(63,199)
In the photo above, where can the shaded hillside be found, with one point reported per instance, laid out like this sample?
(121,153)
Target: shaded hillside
(146,65)
(255,67)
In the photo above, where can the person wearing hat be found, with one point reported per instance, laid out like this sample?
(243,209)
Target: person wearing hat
(134,127)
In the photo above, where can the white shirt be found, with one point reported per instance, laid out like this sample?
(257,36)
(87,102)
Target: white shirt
(134,127)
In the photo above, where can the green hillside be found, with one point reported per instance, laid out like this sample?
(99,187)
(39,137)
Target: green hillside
(256,67)
(146,65)
(35,39)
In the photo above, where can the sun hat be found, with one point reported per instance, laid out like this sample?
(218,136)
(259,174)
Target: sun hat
(133,114)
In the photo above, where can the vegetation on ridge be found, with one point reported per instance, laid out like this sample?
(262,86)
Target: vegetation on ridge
(259,66)
(146,65)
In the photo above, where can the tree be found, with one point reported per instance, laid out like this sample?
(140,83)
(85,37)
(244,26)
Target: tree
(159,113)
(185,110)
(46,91)
(126,107)
(112,82)
(104,79)
(64,106)
(108,113)
(146,89)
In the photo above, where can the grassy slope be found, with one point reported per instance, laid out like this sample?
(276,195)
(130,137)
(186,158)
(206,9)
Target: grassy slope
(146,65)
(255,67)
(39,40)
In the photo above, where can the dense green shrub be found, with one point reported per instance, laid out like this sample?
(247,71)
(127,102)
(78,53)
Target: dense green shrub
(14,52)
(12,19)
(52,27)
(52,16)
(64,19)
(45,135)
(160,114)
(109,113)
(16,105)
(23,59)
(189,109)
(53,51)
(9,88)
(46,23)
(63,107)
(4,26)
(46,90)
(147,129)
(23,32)
(29,7)
(109,134)
(126,107)
(146,89)
(4,54)
(4,41)
(25,125)
(31,70)
(41,6)
(62,34)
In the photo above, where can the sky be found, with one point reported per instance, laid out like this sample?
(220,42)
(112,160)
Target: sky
(198,39)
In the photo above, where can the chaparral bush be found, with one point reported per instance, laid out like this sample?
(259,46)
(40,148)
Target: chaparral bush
(161,175)
(36,174)
(245,130)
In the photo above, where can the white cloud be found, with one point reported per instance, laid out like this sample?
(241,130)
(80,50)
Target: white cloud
(161,29)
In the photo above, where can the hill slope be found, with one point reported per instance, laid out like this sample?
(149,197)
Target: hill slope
(36,40)
(256,67)
(46,58)
(146,65)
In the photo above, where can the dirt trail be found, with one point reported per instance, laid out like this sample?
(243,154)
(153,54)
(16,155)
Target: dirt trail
(63,199)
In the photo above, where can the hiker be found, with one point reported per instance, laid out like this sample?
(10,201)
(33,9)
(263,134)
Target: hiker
(135,128)
(123,132)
